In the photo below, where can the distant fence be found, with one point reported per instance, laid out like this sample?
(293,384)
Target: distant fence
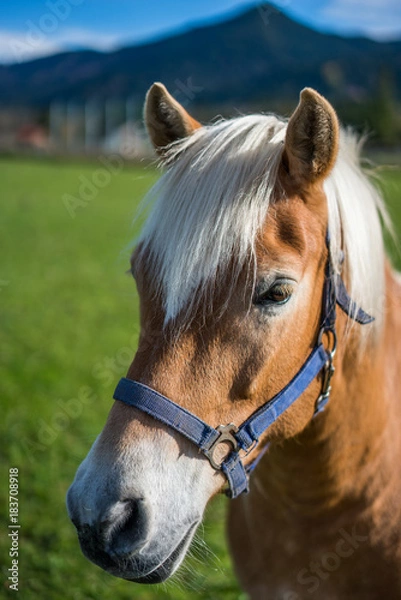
(108,126)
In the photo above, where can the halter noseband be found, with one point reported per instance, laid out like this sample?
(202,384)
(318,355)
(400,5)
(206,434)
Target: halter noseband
(244,438)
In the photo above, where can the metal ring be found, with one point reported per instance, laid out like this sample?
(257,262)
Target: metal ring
(329,332)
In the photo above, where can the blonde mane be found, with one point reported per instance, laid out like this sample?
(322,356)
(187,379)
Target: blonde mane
(214,198)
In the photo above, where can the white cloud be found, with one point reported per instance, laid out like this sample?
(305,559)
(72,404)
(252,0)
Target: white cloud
(14,47)
(89,39)
(34,42)
(380,19)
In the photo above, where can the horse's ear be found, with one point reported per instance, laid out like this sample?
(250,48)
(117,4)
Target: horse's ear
(311,142)
(166,120)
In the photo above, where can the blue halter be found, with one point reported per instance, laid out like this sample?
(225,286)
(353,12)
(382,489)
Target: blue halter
(245,437)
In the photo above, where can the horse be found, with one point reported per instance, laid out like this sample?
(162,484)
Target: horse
(267,366)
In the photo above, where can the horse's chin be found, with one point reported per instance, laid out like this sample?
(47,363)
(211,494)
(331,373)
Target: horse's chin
(170,564)
(142,567)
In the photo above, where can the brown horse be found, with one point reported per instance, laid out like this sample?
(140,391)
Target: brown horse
(236,273)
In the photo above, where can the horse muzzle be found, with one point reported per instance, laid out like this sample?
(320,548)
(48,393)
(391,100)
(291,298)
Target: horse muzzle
(123,541)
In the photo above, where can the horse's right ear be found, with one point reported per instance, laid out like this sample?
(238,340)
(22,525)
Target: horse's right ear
(166,120)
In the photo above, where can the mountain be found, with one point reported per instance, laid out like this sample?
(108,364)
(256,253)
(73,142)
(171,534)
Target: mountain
(257,57)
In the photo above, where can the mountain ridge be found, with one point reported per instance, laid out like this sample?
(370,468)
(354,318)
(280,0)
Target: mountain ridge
(257,55)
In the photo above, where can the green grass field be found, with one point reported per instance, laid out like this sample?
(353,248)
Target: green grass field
(69,327)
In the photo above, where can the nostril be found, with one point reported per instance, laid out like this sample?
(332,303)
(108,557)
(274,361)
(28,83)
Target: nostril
(129,530)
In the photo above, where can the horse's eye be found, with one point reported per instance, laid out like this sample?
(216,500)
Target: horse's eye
(278,293)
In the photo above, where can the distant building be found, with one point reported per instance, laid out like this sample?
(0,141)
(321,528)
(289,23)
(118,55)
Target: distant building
(129,140)
(33,136)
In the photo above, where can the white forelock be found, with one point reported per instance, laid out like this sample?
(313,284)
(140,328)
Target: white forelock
(214,198)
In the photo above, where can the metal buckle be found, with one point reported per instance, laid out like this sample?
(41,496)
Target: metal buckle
(227,434)
(328,374)
(329,369)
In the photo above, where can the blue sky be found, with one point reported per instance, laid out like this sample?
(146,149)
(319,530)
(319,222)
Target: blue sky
(32,28)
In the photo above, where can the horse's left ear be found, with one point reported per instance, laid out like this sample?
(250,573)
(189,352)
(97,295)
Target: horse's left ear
(166,120)
(311,142)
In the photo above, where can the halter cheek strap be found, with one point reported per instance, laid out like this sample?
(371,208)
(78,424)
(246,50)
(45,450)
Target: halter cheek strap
(244,438)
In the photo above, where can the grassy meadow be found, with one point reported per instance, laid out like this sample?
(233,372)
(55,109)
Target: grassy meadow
(69,327)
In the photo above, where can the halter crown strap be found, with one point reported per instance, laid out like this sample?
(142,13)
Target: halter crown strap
(349,306)
(336,293)
(246,436)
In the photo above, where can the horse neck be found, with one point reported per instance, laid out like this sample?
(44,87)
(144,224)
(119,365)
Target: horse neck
(348,453)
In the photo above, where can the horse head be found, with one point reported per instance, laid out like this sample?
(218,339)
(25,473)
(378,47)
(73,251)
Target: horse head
(230,271)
